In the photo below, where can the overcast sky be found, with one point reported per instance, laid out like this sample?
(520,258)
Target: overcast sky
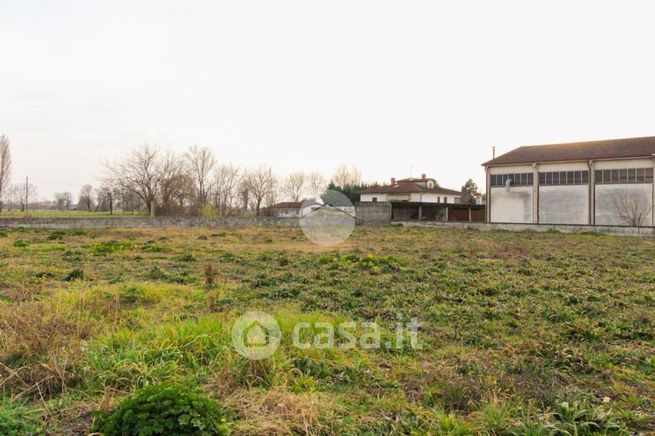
(390,86)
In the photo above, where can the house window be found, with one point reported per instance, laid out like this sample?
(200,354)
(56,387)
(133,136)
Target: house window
(445,199)
(375,199)
(564,178)
(624,175)
(438,199)
(517,179)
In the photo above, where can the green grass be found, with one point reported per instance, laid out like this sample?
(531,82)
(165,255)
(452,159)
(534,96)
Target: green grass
(522,333)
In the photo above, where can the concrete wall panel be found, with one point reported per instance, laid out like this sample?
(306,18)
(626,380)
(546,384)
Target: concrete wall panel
(564,204)
(623,163)
(564,166)
(607,196)
(508,169)
(514,206)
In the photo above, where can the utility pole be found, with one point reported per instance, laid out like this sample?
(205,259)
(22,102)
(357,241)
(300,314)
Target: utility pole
(27,194)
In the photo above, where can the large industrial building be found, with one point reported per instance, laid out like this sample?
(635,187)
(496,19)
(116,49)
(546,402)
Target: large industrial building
(596,183)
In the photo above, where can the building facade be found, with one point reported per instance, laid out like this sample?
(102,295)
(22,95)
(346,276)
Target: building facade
(422,199)
(413,190)
(596,183)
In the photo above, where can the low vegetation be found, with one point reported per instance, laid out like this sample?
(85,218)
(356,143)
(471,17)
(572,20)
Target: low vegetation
(521,333)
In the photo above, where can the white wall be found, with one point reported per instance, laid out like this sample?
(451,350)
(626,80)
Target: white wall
(415,197)
(286,213)
(511,169)
(369,197)
(514,206)
(567,204)
(623,163)
(606,211)
(565,166)
(564,204)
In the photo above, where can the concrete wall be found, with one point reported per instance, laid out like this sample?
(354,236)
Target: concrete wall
(607,195)
(609,230)
(369,197)
(413,197)
(84,223)
(564,204)
(514,206)
(373,213)
(568,204)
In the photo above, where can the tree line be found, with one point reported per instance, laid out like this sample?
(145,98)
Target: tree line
(194,182)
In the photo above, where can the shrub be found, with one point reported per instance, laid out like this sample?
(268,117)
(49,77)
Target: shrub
(210,275)
(57,235)
(20,243)
(16,420)
(151,247)
(131,295)
(73,256)
(584,418)
(3,234)
(165,409)
(187,257)
(106,247)
(74,274)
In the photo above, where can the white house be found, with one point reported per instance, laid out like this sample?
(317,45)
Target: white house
(299,209)
(598,182)
(293,209)
(423,190)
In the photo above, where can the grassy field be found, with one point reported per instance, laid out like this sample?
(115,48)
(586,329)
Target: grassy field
(521,333)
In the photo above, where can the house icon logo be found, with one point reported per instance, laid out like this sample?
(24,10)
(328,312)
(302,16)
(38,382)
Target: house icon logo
(256,335)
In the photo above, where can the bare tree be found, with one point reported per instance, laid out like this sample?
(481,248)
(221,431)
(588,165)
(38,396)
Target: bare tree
(226,188)
(64,200)
(631,207)
(85,199)
(260,183)
(244,193)
(200,162)
(105,198)
(316,184)
(344,176)
(19,194)
(139,173)
(295,185)
(5,168)
(175,184)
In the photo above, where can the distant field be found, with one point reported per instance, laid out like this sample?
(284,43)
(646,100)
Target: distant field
(522,333)
(63,214)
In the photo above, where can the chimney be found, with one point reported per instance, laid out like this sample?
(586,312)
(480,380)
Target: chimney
(423,177)
(493,152)
(393,181)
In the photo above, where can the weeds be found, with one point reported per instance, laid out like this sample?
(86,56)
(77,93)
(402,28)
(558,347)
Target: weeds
(522,333)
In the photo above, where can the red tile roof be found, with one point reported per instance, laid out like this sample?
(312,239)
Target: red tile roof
(288,205)
(402,187)
(578,151)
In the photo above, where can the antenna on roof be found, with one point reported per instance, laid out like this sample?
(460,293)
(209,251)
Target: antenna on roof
(493,152)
